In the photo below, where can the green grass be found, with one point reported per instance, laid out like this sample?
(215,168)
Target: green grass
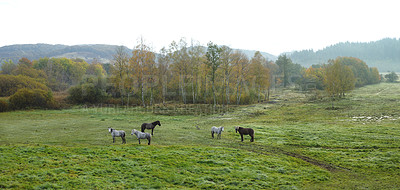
(298,145)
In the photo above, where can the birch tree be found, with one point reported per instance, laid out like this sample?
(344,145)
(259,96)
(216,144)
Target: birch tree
(143,63)
(226,66)
(213,62)
(119,70)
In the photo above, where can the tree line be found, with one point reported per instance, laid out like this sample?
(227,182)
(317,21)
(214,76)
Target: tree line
(383,54)
(182,72)
(189,74)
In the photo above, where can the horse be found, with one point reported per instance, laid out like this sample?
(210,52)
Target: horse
(245,131)
(150,126)
(116,133)
(217,130)
(141,135)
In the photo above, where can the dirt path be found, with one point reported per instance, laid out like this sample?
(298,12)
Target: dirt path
(269,150)
(381,91)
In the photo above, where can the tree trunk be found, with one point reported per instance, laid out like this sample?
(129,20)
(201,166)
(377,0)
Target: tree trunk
(227,91)
(238,91)
(213,90)
(151,95)
(142,91)
(163,92)
(205,89)
(127,103)
(183,90)
(194,101)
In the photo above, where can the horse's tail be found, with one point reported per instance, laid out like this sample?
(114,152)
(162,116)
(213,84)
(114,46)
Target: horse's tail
(123,134)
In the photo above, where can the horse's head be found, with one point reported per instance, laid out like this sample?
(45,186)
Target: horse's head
(236,128)
(110,130)
(222,128)
(157,123)
(134,132)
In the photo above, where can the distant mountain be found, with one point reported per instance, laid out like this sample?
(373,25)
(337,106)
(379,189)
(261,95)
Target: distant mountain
(250,54)
(103,53)
(383,54)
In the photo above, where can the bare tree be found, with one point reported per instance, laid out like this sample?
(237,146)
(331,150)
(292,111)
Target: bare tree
(120,70)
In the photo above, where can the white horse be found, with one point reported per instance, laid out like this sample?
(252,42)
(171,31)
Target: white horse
(116,133)
(217,130)
(141,135)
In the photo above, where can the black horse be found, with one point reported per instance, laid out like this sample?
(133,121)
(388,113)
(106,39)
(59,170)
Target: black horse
(150,126)
(245,131)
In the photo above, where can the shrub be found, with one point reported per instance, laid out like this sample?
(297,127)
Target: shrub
(86,93)
(391,77)
(3,106)
(27,98)
(10,84)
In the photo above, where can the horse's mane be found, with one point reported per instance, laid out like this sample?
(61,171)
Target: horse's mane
(156,122)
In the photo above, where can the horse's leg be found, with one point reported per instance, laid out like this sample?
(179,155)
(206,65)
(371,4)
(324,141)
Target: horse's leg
(113,139)
(149,139)
(123,140)
(241,135)
(212,134)
(252,138)
(139,140)
(152,131)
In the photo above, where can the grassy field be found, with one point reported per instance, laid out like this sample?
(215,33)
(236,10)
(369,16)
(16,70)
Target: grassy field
(299,144)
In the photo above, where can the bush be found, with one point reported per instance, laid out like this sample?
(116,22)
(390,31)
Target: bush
(10,84)
(86,93)
(27,98)
(3,106)
(391,77)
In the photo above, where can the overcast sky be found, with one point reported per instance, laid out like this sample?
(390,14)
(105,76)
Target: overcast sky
(269,26)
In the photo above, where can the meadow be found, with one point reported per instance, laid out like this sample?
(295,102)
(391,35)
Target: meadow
(300,143)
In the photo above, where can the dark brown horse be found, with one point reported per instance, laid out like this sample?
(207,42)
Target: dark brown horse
(245,131)
(150,126)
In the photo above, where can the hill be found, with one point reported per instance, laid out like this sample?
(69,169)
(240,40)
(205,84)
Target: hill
(250,54)
(383,54)
(102,53)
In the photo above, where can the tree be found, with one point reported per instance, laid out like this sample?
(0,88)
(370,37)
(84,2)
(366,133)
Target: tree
(374,76)
(284,64)
(142,63)
(259,73)
(8,67)
(338,80)
(272,68)
(240,68)
(25,67)
(391,77)
(314,76)
(226,66)
(195,56)
(61,72)
(163,72)
(119,70)
(96,69)
(180,65)
(360,69)
(213,62)
(9,84)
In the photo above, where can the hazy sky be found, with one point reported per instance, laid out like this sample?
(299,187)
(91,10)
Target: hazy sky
(270,26)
